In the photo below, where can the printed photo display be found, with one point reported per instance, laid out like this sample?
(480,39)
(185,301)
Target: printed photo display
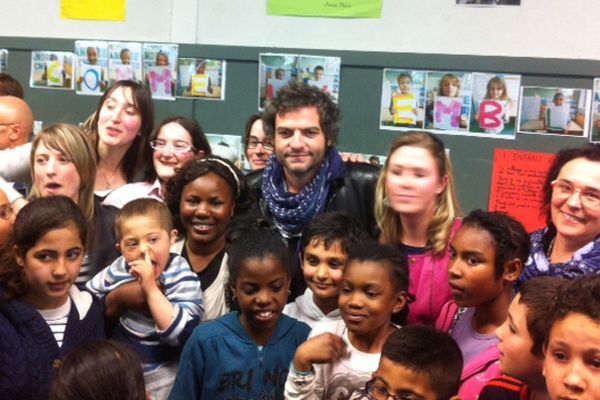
(595,119)
(473,104)
(91,68)
(489,3)
(160,69)
(52,70)
(554,111)
(226,146)
(274,72)
(124,61)
(321,72)
(278,70)
(3,60)
(402,99)
(201,78)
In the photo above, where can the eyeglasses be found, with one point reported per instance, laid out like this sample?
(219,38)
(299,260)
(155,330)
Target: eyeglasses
(5,212)
(562,189)
(177,147)
(266,144)
(376,391)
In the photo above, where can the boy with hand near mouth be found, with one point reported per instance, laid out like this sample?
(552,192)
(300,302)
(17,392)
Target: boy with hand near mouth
(170,288)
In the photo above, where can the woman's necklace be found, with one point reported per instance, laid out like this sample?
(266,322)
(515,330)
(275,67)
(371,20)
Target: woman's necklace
(109,181)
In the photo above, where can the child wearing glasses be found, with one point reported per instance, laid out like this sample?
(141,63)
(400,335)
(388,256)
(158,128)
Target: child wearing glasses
(175,141)
(570,245)
(417,363)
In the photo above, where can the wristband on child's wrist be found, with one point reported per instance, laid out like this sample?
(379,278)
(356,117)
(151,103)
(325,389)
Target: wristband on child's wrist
(300,373)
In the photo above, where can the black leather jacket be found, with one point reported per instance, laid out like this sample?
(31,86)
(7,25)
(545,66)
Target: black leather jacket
(353,193)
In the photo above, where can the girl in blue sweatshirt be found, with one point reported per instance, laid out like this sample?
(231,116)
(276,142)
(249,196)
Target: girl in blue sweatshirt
(246,353)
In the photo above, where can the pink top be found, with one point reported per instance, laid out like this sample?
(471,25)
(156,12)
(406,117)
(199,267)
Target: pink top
(482,368)
(429,284)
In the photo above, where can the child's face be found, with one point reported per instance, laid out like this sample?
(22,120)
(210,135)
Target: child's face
(143,235)
(559,100)
(92,55)
(318,74)
(7,218)
(205,209)
(515,345)
(178,150)
(471,268)
(496,91)
(393,379)
(368,297)
(404,83)
(323,268)
(450,88)
(572,359)
(412,181)
(162,60)
(261,290)
(279,74)
(126,57)
(51,267)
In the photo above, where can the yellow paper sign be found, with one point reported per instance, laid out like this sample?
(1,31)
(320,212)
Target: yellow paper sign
(105,10)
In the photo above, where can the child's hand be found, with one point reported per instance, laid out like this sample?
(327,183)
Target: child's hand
(324,348)
(143,270)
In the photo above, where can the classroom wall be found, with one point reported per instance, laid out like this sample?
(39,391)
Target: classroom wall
(538,28)
(226,35)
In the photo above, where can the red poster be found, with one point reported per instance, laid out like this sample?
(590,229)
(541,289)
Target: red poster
(517,181)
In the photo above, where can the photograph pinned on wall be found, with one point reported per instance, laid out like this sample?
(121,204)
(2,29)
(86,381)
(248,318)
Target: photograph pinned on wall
(448,101)
(124,62)
(274,72)
(495,105)
(226,146)
(3,60)
(402,99)
(201,78)
(488,3)
(160,69)
(91,67)
(52,70)
(375,160)
(595,119)
(321,72)
(554,111)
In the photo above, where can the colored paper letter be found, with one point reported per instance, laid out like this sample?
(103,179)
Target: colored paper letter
(490,114)
(446,111)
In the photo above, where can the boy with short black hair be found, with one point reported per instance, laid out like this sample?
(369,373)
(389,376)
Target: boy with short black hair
(420,362)
(572,352)
(325,244)
(170,288)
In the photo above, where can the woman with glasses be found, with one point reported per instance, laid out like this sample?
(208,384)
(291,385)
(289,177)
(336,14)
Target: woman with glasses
(570,245)
(7,219)
(258,147)
(175,141)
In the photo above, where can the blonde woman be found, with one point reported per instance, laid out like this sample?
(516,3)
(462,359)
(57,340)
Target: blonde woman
(63,162)
(416,210)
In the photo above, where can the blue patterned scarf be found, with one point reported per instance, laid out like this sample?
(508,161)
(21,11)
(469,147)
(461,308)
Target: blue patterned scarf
(292,211)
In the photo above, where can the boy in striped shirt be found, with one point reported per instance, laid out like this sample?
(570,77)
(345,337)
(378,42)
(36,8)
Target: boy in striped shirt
(170,289)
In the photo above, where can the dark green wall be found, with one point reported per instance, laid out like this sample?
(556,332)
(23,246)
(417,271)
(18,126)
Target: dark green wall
(360,96)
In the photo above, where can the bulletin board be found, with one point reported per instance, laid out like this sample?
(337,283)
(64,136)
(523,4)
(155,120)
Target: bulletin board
(359,99)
